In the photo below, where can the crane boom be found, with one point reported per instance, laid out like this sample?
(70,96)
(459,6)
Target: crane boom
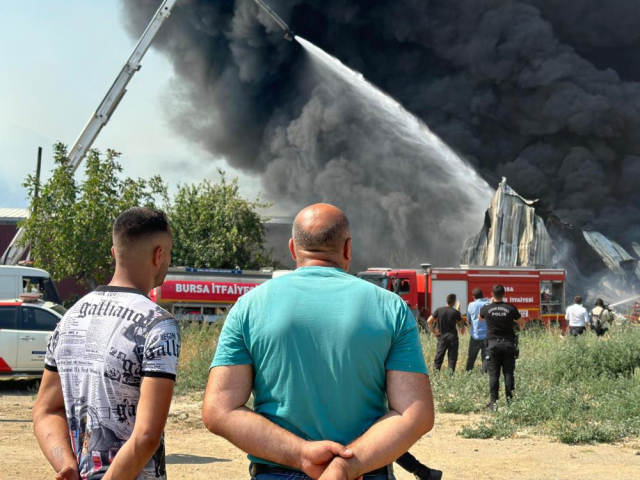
(101,116)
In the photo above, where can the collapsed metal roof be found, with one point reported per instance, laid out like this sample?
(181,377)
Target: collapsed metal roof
(512,234)
(617,259)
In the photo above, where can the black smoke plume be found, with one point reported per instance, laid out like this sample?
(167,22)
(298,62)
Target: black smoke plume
(543,92)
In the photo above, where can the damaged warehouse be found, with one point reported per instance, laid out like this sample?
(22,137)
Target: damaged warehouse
(523,233)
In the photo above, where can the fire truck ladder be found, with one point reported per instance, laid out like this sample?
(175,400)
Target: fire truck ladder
(100,118)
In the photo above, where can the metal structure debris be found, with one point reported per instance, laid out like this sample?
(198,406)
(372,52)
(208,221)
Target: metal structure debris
(522,233)
(512,234)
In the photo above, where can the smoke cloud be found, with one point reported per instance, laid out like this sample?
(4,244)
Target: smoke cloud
(519,88)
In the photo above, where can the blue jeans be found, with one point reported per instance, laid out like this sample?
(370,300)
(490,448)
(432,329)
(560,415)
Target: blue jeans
(295,475)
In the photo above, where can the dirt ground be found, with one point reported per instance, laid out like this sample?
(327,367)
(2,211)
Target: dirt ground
(194,453)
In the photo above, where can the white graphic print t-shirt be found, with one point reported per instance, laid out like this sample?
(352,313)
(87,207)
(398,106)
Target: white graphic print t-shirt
(101,349)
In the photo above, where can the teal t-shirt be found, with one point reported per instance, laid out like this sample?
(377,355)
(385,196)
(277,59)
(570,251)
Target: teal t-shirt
(320,342)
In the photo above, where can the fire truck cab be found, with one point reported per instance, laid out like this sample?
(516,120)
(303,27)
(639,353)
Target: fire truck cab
(204,294)
(537,293)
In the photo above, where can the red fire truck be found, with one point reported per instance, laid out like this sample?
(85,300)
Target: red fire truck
(538,294)
(203,294)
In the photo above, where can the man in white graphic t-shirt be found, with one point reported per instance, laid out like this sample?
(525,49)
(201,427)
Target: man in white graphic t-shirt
(111,365)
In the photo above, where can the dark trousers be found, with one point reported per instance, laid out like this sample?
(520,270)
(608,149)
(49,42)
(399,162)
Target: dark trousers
(575,331)
(447,344)
(410,463)
(476,346)
(502,356)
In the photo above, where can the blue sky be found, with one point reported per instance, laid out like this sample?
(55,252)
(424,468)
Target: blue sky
(58,60)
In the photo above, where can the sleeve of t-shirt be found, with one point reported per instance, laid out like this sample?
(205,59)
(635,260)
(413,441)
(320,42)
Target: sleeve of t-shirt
(458,316)
(406,350)
(435,313)
(50,357)
(232,348)
(161,350)
(483,311)
(516,313)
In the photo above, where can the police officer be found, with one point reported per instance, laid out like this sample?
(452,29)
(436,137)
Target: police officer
(501,319)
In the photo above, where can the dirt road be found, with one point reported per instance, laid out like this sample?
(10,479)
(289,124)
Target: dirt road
(193,453)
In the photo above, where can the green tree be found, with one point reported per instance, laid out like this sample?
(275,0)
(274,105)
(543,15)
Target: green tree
(214,227)
(69,224)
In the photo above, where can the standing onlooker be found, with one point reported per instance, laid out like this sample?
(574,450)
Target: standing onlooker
(601,318)
(478,337)
(111,365)
(501,318)
(577,317)
(449,319)
(331,360)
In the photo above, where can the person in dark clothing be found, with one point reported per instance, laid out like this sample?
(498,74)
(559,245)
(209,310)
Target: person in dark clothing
(412,465)
(449,319)
(501,319)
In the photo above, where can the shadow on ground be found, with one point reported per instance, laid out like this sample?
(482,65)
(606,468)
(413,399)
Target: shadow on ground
(9,386)
(185,459)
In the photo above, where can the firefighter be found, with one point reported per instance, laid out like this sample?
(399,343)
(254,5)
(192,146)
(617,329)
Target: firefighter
(502,346)
(601,318)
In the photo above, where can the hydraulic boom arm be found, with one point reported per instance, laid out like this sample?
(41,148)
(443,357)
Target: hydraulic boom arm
(101,117)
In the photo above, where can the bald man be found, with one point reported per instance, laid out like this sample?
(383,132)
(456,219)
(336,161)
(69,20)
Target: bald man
(111,364)
(335,365)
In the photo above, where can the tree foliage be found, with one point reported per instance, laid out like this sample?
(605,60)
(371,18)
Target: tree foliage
(69,224)
(214,227)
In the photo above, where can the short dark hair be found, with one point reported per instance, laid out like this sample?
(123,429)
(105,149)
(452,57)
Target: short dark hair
(477,293)
(138,223)
(451,298)
(599,302)
(577,299)
(332,235)
(498,291)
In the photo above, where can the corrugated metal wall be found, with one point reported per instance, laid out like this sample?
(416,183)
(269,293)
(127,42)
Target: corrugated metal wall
(7,232)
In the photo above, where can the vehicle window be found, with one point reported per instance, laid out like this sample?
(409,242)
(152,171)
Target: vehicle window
(43,285)
(38,319)
(8,318)
(405,287)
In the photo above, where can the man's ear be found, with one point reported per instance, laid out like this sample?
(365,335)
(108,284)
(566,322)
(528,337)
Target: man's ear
(158,254)
(292,249)
(347,249)
(113,252)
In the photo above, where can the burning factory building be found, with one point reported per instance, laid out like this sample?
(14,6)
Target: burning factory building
(523,233)
(515,88)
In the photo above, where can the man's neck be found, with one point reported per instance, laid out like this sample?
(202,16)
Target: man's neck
(318,263)
(122,278)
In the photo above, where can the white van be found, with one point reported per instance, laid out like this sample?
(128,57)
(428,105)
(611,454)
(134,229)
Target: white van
(15,281)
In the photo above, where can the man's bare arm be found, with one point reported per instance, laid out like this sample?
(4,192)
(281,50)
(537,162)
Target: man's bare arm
(151,417)
(51,428)
(224,413)
(411,416)
(430,322)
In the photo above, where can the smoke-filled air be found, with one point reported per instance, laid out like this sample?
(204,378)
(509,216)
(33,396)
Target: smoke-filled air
(514,88)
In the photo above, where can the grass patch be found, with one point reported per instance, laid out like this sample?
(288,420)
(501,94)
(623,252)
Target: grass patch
(199,343)
(578,391)
(582,390)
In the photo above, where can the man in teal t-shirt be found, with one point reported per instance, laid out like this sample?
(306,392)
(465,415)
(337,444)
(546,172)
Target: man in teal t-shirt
(326,355)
